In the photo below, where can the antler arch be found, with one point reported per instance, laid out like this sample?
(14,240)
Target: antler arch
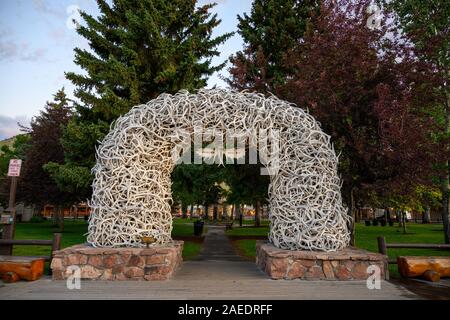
(132,186)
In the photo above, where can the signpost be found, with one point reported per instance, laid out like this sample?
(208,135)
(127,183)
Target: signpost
(9,220)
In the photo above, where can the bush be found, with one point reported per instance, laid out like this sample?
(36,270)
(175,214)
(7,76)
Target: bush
(374,222)
(36,219)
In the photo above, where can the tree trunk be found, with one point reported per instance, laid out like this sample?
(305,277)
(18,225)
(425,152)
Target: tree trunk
(239,208)
(257,213)
(445,209)
(206,212)
(220,213)
(55,216)
(404,221)
(445,178)
(351,213)
(60,217)
(426,218)
(184,211)
(191,210)
(215,213)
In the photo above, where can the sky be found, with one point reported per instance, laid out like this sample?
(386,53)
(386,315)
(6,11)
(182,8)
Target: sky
(37,40)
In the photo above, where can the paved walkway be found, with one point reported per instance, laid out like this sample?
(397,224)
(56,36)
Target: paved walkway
(218,260)
(217,273)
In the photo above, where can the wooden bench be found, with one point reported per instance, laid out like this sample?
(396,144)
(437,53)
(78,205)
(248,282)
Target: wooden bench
(13,268)
(429,268)
(229,225)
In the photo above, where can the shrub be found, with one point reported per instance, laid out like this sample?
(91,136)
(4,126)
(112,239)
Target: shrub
(36,219)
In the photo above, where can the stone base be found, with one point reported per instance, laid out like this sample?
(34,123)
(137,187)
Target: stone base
(154,263)
(347,264)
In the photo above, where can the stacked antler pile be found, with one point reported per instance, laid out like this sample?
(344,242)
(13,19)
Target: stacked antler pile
(132,186)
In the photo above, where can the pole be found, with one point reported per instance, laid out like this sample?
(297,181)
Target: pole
(9,229)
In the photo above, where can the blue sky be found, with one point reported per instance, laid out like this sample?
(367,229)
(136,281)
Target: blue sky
(36,48)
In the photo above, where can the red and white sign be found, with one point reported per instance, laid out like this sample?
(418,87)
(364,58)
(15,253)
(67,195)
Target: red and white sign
(14,167)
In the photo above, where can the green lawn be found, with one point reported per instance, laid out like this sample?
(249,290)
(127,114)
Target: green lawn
(248,231)
(250,222)
(246,247)
(191,249)
(185,229)
(74,233)
(366,238)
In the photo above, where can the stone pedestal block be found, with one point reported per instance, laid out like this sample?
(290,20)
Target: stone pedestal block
(154,263)
(346,264)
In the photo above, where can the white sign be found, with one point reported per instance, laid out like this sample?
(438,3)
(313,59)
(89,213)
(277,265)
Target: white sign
(14,167)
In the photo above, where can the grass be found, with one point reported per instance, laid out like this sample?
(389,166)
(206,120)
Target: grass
(247,231)
(247,248)
(251,222)
(74,233)
(366,238)
(191,250)
(184,228)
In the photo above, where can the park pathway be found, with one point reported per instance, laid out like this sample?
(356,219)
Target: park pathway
(217,273)
(218,259)
(217,246)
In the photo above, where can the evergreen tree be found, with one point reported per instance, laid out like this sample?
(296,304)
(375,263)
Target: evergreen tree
(36,187)
(197,184)
(247,186)
(138,49)
(273,28)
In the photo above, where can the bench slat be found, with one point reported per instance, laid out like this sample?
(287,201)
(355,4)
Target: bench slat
(27,242)
(418,245)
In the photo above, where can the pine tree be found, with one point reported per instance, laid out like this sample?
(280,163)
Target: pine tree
(273,28)
(138,50)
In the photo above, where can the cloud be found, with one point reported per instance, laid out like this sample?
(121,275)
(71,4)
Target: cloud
(58,35)
(11,50)
(43,7)
(9,125)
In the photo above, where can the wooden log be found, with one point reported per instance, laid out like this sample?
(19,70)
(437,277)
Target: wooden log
(56,242)
(416,266)
(431,275)
(382,245)
(26,268)
(10,277)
